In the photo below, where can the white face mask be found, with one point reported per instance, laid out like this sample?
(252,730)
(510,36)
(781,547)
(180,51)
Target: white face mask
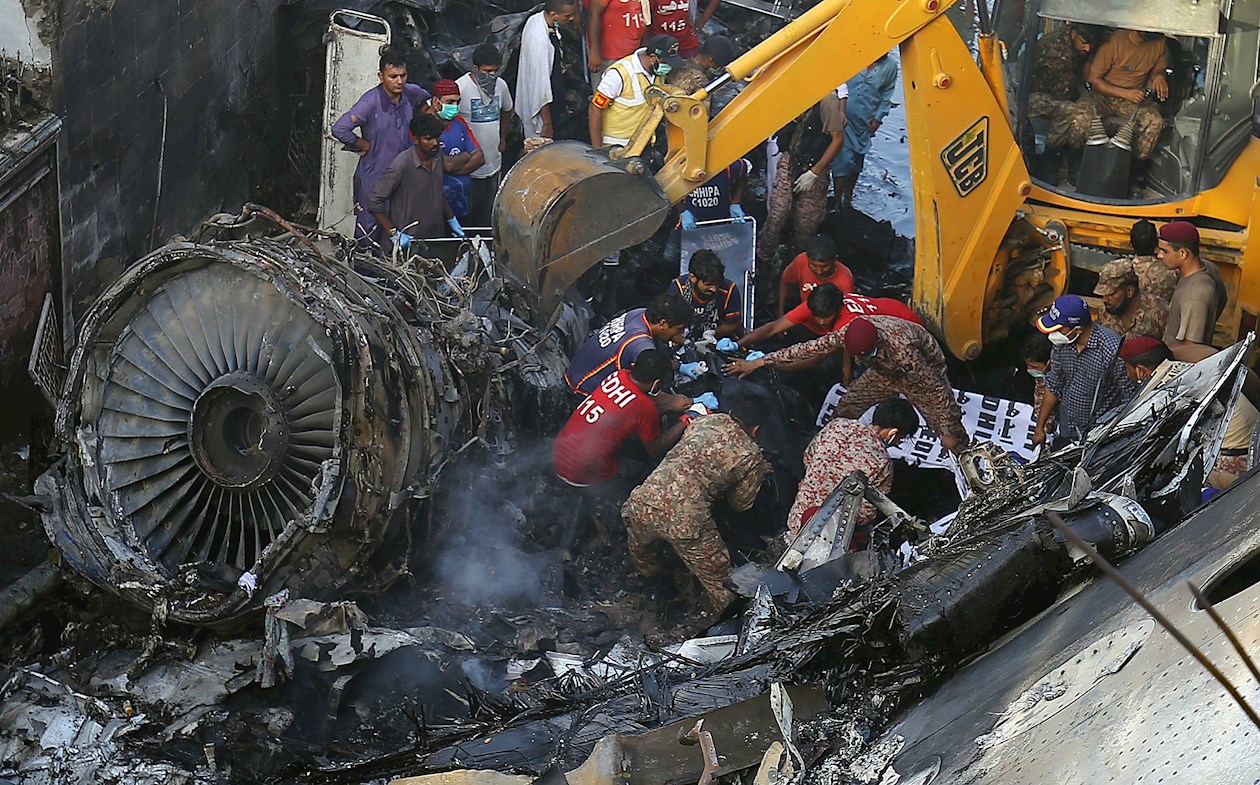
(1058,338)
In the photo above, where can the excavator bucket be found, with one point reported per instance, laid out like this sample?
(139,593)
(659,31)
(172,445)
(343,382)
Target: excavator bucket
(564,207)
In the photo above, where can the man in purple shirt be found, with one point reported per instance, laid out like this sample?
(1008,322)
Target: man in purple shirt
(383,115)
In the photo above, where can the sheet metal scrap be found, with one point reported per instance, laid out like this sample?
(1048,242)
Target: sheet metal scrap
(267,402)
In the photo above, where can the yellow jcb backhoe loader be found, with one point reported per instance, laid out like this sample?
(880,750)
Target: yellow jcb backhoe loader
(993,244)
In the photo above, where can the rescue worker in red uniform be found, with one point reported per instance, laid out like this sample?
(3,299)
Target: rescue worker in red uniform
(587,451)
(673,17)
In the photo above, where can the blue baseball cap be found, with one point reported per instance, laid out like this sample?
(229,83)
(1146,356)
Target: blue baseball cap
(1067,312)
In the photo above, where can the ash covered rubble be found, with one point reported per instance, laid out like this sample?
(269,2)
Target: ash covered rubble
(493,653)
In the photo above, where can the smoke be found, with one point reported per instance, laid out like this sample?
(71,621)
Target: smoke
(485,555)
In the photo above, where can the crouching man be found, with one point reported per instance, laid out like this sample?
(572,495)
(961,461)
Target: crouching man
(716,458)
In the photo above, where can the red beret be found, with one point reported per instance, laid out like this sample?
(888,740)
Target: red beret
(1136,347)
(860,337)
(445,87)
(1181,232)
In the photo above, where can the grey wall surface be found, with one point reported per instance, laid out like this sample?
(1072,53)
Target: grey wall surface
(207,70)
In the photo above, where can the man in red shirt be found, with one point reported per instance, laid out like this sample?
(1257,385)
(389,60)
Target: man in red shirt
(673,17)
(614,30)
(818,265)
(827,311)
(587,450)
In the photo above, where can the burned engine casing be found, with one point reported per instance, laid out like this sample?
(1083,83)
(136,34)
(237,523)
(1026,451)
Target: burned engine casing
(242,406)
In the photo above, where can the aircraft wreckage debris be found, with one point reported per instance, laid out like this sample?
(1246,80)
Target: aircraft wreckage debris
(263,409)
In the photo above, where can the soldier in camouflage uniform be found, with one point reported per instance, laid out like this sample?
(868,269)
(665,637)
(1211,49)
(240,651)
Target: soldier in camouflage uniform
(1057,79)
(716,458)
(901,358)
(1127,310)
(1120,73)
(844,446)
(1154,278)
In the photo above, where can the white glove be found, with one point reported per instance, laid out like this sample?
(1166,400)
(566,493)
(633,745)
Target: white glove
(698,409)
(806,181)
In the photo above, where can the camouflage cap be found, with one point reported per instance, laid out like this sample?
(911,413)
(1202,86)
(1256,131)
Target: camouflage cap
(1115,275)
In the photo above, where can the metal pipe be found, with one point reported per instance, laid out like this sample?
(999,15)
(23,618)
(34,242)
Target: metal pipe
(1160,618)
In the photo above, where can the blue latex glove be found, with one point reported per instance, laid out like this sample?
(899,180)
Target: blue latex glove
(402,239)
(727,345)
(755,355)
(690,370)
(737,213)
(708,399)
(456,229)
(688,220)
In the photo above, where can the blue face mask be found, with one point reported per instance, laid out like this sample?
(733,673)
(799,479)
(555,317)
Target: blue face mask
(448,111)
(1036,374)
(663,69)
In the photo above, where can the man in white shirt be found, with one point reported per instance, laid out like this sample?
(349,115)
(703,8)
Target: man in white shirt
(486,104)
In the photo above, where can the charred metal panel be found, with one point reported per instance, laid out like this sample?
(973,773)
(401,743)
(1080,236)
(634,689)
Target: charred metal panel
(1161,714)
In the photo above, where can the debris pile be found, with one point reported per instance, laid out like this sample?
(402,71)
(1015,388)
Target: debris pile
(498,653)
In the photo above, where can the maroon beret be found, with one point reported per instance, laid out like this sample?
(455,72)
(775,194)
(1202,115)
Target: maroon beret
(1181,232)
(860,337)
(1136,347)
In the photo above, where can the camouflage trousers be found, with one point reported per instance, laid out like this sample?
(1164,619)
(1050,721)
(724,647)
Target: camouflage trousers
(694,537)
(806,210)
(1070,120)
(1236,465)
(932,396)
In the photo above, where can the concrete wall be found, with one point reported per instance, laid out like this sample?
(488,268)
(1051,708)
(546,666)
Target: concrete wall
(163,104)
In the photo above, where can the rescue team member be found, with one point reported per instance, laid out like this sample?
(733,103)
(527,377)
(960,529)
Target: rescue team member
(716,200)
(716,459)
(1127,310)
(383,117)
(614,30)
(844,446)
(1086,379)
(1153,277)
(461,155)
(617,345)
(1149,360)
(818,264)
(1121,73)
(410,189)
(714,299)
(715,54)
(620,103)
(828,310)
(809,143)
(673,17)
(587,451)
(1199,297)
(1056,83)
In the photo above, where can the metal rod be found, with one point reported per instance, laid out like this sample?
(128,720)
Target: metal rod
(1207,605)
(1162,620)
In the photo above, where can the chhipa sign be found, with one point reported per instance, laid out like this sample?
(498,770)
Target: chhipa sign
(1008,424)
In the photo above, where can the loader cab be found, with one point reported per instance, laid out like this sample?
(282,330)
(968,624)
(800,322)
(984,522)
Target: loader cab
(1212,55)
